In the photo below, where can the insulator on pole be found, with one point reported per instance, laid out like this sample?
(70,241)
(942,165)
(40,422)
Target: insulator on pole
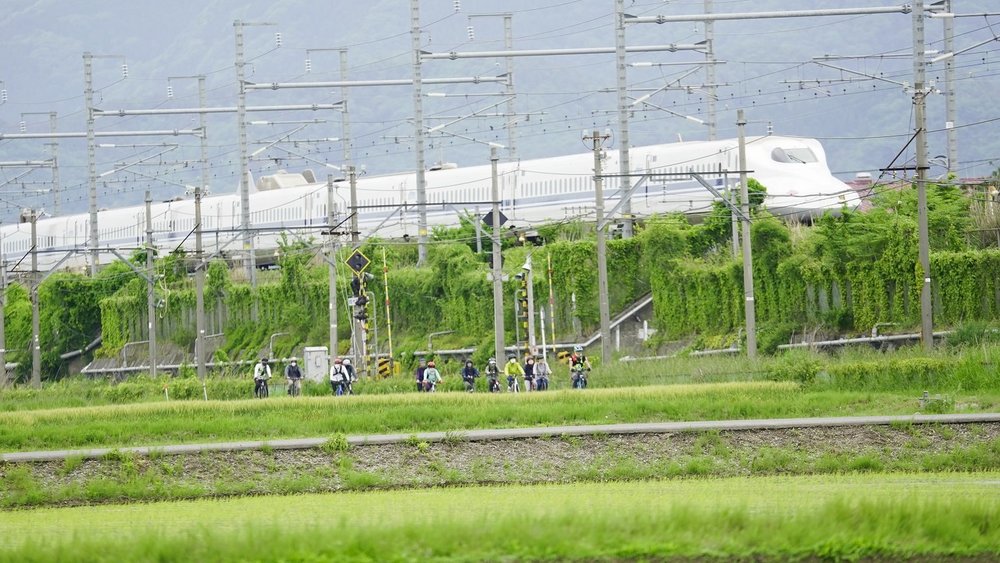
(124,70)
(277,39)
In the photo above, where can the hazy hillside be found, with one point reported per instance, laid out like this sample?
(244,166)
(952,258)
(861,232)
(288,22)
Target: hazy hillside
(863,124)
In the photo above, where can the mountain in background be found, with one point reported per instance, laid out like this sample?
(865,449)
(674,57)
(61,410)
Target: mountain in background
(767,71)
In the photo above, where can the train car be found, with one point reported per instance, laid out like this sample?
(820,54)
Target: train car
(532,192)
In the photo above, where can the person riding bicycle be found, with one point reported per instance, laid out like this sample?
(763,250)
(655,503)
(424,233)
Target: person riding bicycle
(261,373)
(542,373)
(338,377)
(431,377)
(529,373)
(512,370)
(492,375)
(578,366)
(294,376)
(469,375)
(352,376)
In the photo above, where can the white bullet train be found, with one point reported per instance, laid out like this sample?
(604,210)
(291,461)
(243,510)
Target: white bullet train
(794,171)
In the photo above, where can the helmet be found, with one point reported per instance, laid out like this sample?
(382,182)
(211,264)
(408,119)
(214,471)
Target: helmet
(338,361)
(493,360)
(347,361)
(263,360)
(578,348)
(430,364)
(293,359)
(511,358)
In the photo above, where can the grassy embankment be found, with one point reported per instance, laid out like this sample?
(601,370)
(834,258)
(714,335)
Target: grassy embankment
(283,417)
(946,370)
(840,517)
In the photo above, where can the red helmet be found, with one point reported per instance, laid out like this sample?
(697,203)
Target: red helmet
(430,364)
(338,361)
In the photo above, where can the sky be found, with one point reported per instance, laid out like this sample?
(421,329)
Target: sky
(767,68)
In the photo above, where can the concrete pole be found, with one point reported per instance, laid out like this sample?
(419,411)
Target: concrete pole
(623,142)
(530,278)
(353,175)
(498,328)
(479,232)
(88,96)
(54,146)
(951,110)
(150,287)
(418,137)
(508,43)
(749,306)
(602,252)
(241,125)
(3,324)
(710,71)
(199,289)
(36,349)
(345,122)
(331,264)
(920,118)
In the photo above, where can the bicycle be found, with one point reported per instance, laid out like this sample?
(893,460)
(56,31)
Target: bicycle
(295,387)
(579,378)
(261,390)
(512,385)
(494,385)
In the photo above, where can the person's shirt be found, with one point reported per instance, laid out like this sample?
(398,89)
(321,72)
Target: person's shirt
(513,368)
(492,370)
(261,371)
(420,372)
(470,372)
(542,369)
(529,370)
(577,360)
(350,372)
(432,375)
(338,373)
(292,371)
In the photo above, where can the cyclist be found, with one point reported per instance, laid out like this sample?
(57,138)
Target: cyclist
(579,365)
(261,373)
(294,376)
(352,376)
(492,375)
(542,373)
(469,375)
(338,377)
(512,370)
(529,373)
(431,378)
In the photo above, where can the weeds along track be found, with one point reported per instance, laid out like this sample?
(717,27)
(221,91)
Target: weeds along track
(338,465)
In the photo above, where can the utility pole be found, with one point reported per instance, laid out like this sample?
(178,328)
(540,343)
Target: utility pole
(150,287)
(88,97)
(710,71)
(345,122)
(920,118)
(602,249)
(199,289)
(353,175)
(530,279)
(36,349)
(498,328)
(241,124)
(951,111)
(332,267)
(418,138)
(5,381)
(749,305)
(623,141)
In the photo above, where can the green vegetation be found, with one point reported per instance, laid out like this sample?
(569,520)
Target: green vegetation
(283,417)
(416,464)
(833,517)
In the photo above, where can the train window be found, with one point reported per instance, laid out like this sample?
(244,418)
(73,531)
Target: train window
(800,155)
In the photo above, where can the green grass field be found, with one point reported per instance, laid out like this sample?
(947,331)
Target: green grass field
(838,517)
(282,417)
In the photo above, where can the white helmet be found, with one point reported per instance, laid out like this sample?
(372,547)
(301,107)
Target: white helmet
(578,348)
(347,361)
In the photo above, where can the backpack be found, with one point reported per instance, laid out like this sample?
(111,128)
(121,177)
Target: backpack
(337,375)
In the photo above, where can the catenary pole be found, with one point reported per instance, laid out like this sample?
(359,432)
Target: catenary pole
(623,110)
(498,321)
(920,118)
(418,134)
(150,287)
(332,268)
(36,348)
(199,290)
(749,305)
(951,111)
(602,250)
